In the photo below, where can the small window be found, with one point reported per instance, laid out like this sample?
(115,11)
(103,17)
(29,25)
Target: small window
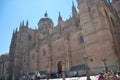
(81,39)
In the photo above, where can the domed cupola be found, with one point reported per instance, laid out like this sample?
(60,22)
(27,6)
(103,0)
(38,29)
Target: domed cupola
(45,24)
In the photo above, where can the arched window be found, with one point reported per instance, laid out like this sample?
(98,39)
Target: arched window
(81,39)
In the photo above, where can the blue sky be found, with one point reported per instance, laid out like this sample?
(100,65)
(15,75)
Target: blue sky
(14,11)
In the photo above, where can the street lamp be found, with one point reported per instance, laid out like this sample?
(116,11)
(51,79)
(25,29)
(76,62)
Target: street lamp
(105,64)
(86,63)
(87,68)
(118,63)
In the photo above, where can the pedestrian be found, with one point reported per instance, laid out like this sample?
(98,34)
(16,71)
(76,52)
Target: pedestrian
(24,77)
(38,76)
(110,76)
(33,77)
(101,77)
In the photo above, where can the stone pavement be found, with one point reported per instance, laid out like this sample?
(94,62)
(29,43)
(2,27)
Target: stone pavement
(78,78)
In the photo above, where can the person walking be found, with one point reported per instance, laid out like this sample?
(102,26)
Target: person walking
(101,77)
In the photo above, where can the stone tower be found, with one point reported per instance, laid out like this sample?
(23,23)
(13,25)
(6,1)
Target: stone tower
(22,42)
(96,25)
(12,55)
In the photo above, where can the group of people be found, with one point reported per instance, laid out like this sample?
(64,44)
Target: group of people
(101,76)
(107,76)
(36,76)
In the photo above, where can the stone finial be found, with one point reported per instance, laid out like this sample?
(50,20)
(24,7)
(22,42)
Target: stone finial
(27,23)
(60,18)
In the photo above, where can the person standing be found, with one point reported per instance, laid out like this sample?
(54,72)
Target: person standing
(38,76)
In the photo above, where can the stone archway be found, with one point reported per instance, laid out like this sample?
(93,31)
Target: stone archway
(59,68)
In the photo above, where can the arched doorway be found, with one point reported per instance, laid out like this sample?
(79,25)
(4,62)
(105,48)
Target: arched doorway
(59,68)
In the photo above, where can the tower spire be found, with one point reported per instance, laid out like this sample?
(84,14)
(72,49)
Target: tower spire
(27,23)
(16,30)
(60,22)
(60,18)
(72,2)
(23,23)
(74,11)
(20,24)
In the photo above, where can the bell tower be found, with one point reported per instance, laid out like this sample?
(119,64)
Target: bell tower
(96,30)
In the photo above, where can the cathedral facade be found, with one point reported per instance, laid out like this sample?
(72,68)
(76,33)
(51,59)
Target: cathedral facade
(90,36)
